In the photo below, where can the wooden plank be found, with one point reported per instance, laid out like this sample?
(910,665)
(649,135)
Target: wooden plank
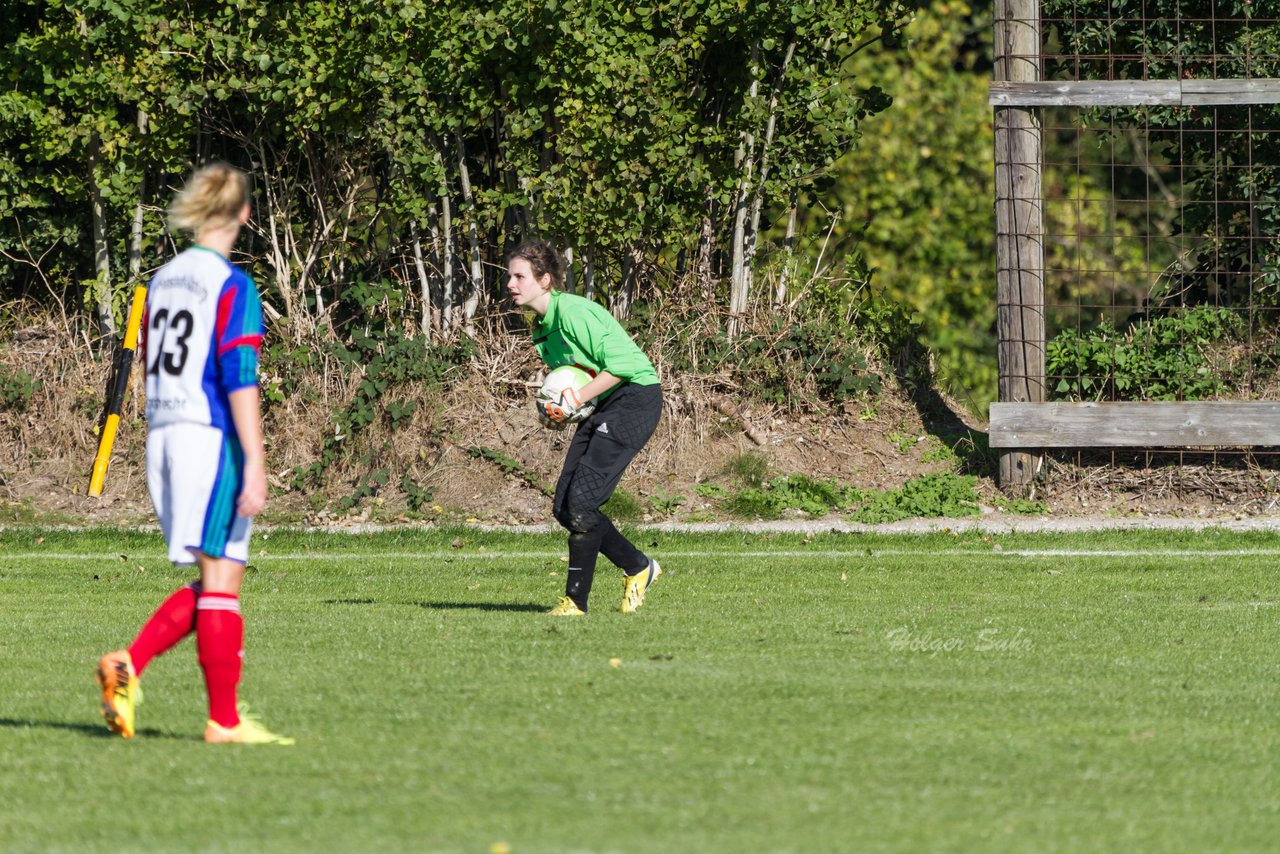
(1086,93)
(1218,92)
(1209,423)
(1134,93)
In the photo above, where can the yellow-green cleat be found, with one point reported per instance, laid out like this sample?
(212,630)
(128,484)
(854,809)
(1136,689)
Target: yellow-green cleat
(249,731)
(566,607)
(635,586)
(121,692)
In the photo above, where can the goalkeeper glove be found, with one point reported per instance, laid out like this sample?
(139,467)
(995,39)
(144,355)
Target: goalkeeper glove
(568,410)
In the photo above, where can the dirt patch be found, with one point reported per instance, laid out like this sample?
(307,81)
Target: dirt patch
(477,451)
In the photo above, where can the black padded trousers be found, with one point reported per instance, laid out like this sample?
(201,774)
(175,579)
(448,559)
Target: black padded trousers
(600,452)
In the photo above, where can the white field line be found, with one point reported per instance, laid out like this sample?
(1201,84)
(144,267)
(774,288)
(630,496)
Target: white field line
(542,555)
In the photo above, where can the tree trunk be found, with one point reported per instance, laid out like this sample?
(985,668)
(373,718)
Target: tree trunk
(472,302)
(626,293)
(706,245)
(424,283)
(744,161)
(101,253)
(135,234)
(568,269)
(446,249)
(588,276)
(789,249)
(757,201)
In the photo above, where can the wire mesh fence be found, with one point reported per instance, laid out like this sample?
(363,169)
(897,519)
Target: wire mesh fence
(1158,157)
(1159,39)
(1162,257)
(1161,221)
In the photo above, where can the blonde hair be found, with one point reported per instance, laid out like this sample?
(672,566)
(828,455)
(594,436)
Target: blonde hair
(214,195)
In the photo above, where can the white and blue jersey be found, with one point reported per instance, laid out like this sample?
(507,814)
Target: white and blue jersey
(201,334)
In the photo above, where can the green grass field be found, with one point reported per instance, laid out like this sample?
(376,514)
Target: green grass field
(842,693)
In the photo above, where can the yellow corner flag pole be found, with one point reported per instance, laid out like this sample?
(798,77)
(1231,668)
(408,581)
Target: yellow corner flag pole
(115,392)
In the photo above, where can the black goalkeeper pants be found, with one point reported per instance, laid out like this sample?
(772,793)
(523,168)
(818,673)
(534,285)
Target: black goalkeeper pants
(600,452)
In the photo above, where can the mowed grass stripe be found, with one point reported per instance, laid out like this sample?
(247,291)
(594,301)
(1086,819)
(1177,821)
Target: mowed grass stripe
(759,703)
(858,552)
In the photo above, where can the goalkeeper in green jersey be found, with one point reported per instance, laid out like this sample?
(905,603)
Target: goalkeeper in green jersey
(572,330)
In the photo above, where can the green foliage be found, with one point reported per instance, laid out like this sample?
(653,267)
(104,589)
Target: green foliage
(942,494)
(389,141)
(367,485)
(711,490)
(512,467)
(795,492)
(1191,354)
(378,131)
(665,504)
(915,193)
(785,360)
(283,365)
(748,467)
(933,449)
(17,388)
(937,451)
(1022,506)
(902,441)
(623,506)
(387,365)
(416,497)
(1223,222)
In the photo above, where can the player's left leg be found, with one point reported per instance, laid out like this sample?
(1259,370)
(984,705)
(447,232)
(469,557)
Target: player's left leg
(180,476)
(220,635)
(209,529)
(220,644)
(634,419)
(641,570)
(603,447)
(578,504)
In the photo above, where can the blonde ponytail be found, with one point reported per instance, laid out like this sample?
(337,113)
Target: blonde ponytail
(213,196)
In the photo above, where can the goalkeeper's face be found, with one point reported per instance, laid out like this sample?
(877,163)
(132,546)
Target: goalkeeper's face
(525,288)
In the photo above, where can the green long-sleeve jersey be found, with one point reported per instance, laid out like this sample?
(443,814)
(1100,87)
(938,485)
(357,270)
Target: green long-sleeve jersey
(578,331)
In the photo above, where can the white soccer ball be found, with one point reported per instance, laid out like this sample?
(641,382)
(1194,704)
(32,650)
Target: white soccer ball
(554,385)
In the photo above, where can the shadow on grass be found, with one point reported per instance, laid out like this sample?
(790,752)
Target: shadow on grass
(528,607)
(96,730)
(458,606)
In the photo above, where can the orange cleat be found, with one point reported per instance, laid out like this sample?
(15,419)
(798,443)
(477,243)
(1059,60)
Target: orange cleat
(121,692)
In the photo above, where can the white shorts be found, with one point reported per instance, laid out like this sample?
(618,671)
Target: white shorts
(194,473)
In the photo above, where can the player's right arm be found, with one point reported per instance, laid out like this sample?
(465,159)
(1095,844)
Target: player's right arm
(245,415)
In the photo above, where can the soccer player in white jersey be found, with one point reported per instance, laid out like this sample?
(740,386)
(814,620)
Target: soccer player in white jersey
(205,460)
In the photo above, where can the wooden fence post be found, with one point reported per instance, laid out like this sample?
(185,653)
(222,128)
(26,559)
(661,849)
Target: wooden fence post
(1020,323)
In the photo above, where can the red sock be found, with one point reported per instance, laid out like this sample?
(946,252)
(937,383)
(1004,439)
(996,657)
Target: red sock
(220,644)
(172,621)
